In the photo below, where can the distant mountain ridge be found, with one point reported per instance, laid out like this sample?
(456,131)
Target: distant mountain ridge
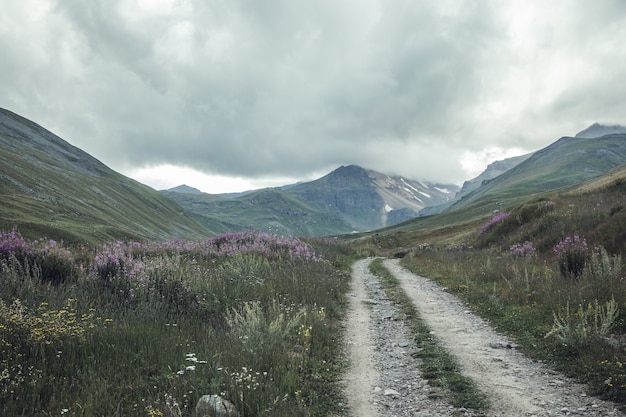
(51,188)
(566,162)
(492,171)
(562,163)
(350,198)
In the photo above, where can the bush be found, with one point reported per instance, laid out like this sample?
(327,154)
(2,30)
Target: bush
(45,259)
(55,268)
(578,327)
(533,211)
(572,252)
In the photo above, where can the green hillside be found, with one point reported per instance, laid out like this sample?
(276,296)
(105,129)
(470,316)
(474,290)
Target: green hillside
(51,188)
(566,162)
(271,210)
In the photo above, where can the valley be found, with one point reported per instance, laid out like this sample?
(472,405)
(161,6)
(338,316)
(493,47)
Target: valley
(55,189)
(501,297)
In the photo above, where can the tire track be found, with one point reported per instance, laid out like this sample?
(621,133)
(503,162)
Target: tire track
(362,376)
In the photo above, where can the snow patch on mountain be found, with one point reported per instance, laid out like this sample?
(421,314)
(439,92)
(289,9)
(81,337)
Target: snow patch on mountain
(408,185)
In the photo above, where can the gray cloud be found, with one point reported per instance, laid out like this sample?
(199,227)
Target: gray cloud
(286,88)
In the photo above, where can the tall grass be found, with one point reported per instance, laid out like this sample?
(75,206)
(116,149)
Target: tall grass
(146,329)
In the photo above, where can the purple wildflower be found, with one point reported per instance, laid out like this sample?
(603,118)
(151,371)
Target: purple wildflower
(523,249)
(572,252)
(493,221)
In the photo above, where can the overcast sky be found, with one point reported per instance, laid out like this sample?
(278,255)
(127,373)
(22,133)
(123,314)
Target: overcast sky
(266,92)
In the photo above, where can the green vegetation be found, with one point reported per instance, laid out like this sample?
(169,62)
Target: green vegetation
(146,329)
(566,162)
(270,210)
(571,324)
(50,188)
(437,365)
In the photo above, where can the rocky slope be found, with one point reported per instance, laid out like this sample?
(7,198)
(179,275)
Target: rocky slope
(368,199)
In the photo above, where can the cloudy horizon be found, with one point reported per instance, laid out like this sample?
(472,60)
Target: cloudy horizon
(224,96)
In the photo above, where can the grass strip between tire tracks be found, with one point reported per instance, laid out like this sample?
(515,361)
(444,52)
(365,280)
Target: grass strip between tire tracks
(437,365)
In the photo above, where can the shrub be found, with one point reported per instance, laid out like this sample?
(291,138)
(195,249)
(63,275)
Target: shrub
(572,253)
(55,268)
(115,260)
(604,267)
(13,244)
(46,259)
(532,211)
(580,326)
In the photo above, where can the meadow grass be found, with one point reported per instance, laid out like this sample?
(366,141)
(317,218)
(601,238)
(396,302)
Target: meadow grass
(550,274)
(436,364)
(146,329)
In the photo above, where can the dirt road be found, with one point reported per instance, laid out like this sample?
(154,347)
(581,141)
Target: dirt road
(384,379)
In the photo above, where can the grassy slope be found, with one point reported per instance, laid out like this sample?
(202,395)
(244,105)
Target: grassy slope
(270,210)
(566,162)
(594,207)
(50,188)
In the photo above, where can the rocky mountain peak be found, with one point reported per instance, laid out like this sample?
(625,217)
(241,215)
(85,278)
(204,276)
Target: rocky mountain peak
(351,173)
(185,189)
(370,199)
(597,130)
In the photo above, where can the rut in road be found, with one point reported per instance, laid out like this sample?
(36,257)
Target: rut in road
(514,385)
(362,376)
